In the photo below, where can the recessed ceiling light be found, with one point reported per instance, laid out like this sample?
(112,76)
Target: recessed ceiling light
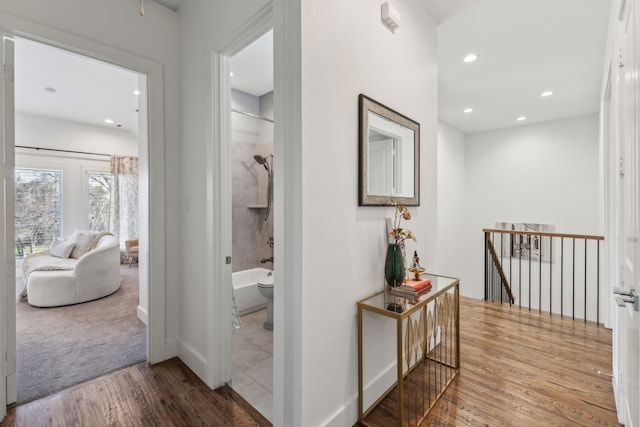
(468,110)
(521,118)
(136,92)
(470,57)
(50,89)
(231,74)
(109,121)
(546,93)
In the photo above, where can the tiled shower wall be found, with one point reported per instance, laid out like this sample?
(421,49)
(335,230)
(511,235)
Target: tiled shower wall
(250,136)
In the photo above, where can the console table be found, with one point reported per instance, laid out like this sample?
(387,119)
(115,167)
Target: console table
(427,356)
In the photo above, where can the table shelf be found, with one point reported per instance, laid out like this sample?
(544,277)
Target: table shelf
(427,356)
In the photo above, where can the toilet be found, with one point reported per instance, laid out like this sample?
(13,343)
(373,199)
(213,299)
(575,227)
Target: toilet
(265,286)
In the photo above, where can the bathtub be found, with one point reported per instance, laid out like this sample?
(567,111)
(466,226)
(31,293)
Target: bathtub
(245,290)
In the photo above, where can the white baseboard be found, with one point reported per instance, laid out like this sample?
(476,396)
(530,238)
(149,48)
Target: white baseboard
(142,315)
(347,414)
(171,348)
(193,359)
(618,395)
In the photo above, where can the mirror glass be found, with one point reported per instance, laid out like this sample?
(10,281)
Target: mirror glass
(389,156)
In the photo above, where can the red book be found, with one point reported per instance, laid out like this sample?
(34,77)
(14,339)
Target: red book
(417,285)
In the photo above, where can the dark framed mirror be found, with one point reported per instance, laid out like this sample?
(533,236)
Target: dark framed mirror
(389,156)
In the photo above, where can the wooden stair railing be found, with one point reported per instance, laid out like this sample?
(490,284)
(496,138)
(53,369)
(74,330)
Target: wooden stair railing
(498,266)
(564,279)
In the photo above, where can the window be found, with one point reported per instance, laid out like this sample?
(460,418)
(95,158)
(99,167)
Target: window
(99,196)
(38,209)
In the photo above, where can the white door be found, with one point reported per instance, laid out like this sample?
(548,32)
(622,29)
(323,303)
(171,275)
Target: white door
(628,325)
(8,394)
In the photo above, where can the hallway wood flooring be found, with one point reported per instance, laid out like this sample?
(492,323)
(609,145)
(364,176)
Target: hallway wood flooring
(166,394)
(524,368)
(518,368)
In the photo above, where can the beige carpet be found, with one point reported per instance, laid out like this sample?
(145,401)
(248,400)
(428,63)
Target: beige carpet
(63,346)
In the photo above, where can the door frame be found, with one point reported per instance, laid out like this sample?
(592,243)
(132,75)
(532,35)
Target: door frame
(285,19)
(8,391)
(622,178)
(219,195)
(152,255)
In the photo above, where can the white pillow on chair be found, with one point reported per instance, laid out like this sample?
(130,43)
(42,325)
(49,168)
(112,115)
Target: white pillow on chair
(83,241)
(61,248)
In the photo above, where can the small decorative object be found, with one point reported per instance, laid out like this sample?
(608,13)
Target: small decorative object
(394,267)
(394,306)
(398,233)
(415,268)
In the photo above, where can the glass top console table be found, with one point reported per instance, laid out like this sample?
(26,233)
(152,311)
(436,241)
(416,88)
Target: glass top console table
(427,356)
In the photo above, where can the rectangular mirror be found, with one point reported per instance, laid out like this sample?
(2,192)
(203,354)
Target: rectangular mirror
(389,164)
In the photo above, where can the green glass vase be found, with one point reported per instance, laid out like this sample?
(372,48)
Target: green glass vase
(394,265)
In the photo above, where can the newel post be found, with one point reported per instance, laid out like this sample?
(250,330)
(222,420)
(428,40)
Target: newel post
(486,265)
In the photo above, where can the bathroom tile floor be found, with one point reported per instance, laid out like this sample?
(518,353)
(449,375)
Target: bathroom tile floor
(252,376)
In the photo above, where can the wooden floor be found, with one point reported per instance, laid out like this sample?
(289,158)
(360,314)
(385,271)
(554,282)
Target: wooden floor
(518,368)
(166,394)
(521,368)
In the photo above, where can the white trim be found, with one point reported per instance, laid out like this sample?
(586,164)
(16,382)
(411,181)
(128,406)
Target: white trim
(142,315)
(218,226)
(192,357)
(607,186)
(155,246)
(172,346)
(7,237)
(346,413)
(152,157)
(288,206)
(252,30)
(218,205)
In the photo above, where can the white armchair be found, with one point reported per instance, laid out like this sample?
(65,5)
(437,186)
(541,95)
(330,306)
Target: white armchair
(95,274)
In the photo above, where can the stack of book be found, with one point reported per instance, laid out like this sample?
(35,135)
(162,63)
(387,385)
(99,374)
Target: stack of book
(412,289)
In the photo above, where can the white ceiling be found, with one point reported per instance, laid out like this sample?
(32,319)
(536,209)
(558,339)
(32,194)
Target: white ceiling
(442,10)
(171,4)
(86,90)
(525,47)
(252,67)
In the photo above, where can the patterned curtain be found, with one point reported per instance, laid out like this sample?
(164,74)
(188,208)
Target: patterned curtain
(124,198)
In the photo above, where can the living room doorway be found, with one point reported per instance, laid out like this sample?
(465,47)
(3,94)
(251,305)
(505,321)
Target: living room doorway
(69,128)
(152,251)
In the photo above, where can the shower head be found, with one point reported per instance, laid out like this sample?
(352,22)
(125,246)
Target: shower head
(260,159)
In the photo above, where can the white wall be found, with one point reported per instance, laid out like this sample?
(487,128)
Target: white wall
(452,213)
(205,27)
(246,188)
(250,136)
(347,51)
(546,173)
(343,244)
(115,29)
(44,132)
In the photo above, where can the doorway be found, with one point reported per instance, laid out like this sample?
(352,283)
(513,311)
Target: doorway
(252,134)
(75,117)
(151,306)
